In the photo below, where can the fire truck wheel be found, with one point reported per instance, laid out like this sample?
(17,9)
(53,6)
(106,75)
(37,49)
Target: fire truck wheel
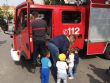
(107,52)
(17,62)
(22,59)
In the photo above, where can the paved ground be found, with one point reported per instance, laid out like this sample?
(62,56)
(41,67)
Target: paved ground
(90,70)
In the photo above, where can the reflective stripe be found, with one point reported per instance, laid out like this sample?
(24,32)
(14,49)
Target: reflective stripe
(38,29)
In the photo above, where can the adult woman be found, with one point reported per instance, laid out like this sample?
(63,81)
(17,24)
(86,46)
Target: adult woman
(60,44)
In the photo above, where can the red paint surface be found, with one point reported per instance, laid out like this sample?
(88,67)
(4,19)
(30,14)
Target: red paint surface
(20,40)
(96,48)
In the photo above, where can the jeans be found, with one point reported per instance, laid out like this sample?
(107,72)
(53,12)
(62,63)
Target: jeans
(60,77)
(39,47)
(75,68)
(54,51)
(45,75)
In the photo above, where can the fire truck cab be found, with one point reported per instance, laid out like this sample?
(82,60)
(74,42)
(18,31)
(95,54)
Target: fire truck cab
(89,22)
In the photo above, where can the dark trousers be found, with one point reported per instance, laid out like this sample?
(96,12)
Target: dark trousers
(55,53)
(39,48)
(45,75)
(75,68)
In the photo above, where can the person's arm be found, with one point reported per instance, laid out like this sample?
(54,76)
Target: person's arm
(57,64)
(49,63)
(47,31)
(65,47)
(41,60)
(46,27)
(66,65)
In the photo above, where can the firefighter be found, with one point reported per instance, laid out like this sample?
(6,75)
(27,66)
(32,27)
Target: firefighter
(60,44)
(39,27)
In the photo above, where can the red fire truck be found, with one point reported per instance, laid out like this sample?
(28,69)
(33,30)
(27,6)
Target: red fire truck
(90,23)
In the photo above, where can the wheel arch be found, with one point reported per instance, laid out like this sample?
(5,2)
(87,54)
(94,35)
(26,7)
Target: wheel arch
(107,51)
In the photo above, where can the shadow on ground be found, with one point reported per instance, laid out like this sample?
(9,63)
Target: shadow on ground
(54,73)
(101,73)
(28,65)
(83,55)
(102,56)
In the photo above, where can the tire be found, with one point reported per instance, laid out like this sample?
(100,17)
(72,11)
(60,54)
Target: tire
(23,57)
(108,71)
(107,52)
(17,62)
(22,60)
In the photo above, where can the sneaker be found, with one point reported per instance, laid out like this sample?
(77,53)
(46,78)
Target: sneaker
(38,61)
(71,78)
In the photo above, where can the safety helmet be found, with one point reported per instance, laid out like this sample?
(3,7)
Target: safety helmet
(62,57)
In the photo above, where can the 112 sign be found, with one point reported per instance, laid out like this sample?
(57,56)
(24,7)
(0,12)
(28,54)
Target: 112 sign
(72,30)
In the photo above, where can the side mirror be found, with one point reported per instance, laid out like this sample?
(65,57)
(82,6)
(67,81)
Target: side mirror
(3,25)
(9,29)
(6,27)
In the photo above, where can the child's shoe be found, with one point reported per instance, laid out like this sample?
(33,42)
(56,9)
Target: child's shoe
(71,78)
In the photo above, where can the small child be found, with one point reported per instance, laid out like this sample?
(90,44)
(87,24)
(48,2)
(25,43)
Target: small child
(45,69)
(61,69)
(76,61)
(70,62)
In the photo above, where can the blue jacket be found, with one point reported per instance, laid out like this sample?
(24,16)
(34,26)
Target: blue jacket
(76,59)
(46,63)
(61,42)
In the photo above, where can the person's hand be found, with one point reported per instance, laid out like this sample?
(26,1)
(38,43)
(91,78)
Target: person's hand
(67,60)
(76,51)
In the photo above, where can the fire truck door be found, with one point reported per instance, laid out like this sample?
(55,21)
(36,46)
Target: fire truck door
(73,23)
(22,33)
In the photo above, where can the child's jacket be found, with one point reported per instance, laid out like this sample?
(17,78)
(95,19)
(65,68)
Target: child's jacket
(45,62)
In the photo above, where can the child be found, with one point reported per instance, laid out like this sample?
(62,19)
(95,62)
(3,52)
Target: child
(70,62)
(46,64)
(76,61)
(61,69)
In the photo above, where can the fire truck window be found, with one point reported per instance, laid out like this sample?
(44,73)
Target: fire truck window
(23,20)
(71,17)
